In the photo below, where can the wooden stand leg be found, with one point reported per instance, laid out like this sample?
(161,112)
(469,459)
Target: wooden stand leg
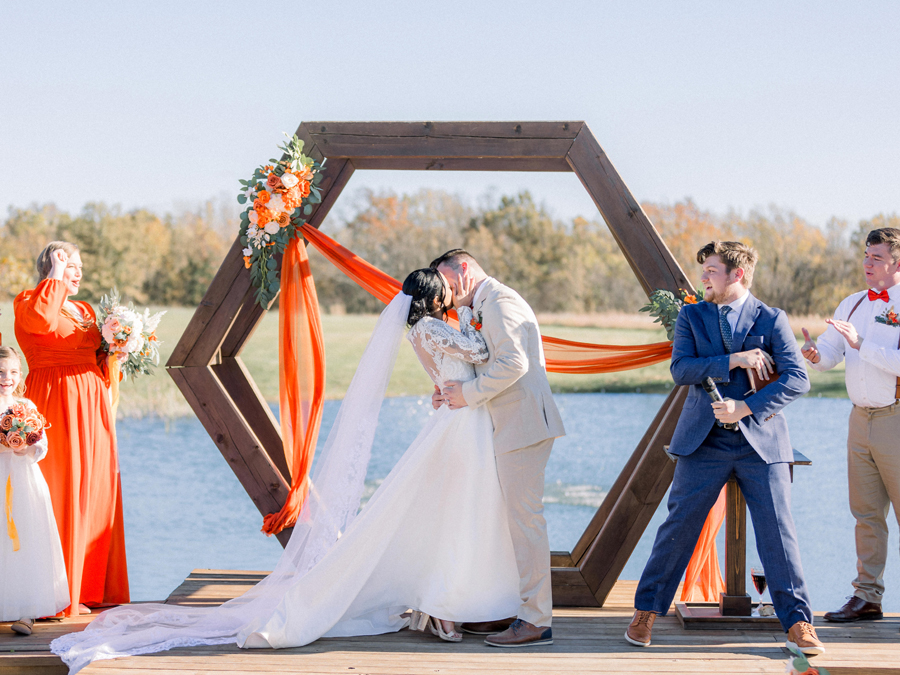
(735,601)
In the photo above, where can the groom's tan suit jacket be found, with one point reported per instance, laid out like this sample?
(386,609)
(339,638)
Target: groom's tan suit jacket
(513,383)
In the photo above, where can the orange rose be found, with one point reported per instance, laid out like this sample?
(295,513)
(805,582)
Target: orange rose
(246,264)
(273,181)
(291,199)
(19,411)
(3,440)
(283,219)
(15,441)
(305,174)
(6,422)
(892,316)
(263,216)
(303,187)
(261,199)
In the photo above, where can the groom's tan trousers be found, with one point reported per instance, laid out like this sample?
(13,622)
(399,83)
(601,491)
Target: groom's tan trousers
(521,475)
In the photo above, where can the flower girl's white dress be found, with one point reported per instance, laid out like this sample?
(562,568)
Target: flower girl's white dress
(434,537)
(33,578)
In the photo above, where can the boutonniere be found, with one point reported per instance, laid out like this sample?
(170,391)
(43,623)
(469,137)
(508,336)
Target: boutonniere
(476,321)
(889,317)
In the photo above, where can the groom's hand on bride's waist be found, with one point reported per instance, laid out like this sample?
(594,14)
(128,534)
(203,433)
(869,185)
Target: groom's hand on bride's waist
(453,395)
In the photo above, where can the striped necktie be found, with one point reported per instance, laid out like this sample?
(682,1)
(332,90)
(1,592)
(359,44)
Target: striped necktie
(725,327)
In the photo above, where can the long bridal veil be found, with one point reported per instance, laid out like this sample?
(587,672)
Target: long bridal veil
(335,492)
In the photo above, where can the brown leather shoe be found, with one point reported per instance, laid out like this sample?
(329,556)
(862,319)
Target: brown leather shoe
(856,609)
(638,632)
(521,634)
(802,637)
(487,627)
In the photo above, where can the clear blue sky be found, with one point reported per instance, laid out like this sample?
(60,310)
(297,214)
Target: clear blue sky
(734,104)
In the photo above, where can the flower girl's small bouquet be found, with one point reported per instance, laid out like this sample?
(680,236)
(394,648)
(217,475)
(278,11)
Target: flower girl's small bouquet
(21,427)
(128,335)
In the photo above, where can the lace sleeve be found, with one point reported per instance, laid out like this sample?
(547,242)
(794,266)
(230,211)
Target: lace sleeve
(469,346)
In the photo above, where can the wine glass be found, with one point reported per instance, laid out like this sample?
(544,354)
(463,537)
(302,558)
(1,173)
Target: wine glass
(758,575)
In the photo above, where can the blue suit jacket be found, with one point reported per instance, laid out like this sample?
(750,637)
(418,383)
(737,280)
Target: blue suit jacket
(698,352)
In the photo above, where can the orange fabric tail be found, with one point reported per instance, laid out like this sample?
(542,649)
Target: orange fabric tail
(301,379)
(10,523)
(703,579)
(115,370)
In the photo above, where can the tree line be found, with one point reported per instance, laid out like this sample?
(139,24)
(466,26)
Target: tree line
(558,266)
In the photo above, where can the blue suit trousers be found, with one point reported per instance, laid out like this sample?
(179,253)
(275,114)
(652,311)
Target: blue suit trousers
(699,478)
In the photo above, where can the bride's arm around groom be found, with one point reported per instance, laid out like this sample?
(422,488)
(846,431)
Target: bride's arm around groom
(513,386)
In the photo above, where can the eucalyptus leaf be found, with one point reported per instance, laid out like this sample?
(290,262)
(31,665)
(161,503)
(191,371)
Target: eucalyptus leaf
(242,199)
(307,209)
(271,264)
(273,288)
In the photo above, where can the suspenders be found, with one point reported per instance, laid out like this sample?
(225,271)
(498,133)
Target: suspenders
(858,303)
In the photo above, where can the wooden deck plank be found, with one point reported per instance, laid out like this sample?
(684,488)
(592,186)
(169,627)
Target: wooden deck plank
(586,640)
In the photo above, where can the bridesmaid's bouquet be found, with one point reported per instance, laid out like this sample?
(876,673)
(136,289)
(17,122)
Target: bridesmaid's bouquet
(21,426)
(128,335)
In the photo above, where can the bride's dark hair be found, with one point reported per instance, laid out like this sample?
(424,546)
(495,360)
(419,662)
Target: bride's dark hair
(426,286)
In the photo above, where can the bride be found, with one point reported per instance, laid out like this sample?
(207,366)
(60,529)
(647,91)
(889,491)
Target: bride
(433,538)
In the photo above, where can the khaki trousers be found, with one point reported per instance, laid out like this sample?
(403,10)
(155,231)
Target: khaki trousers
(521,475)
(873,467)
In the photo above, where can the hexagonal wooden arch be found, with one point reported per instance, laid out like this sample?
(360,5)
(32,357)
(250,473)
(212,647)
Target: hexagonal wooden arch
(207,367)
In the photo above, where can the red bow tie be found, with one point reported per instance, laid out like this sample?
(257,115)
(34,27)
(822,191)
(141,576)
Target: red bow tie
(873,296)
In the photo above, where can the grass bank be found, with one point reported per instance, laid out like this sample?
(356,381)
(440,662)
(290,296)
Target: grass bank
(346,337)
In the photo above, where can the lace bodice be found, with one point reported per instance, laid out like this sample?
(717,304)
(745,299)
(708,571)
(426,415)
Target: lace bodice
(446,353)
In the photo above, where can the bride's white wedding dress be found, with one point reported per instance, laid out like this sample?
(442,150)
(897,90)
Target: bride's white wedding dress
(433,537)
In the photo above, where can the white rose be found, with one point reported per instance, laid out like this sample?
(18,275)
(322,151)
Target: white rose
(135,342)
(276,204)
(247,251)
(289,180)
(253,217)
(272,227)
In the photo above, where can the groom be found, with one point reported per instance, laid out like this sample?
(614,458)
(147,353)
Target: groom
(513,386)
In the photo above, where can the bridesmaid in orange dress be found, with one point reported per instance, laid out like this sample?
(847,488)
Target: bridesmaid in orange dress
(67,382)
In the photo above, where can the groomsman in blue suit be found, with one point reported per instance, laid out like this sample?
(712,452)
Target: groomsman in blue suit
(728,338)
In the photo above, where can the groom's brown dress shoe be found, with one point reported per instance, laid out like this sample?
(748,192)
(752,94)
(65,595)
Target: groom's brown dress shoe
(521,634)
(487,627)
(856,609)
(641,626)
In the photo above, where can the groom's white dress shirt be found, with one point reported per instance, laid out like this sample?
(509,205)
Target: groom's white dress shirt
(872,370)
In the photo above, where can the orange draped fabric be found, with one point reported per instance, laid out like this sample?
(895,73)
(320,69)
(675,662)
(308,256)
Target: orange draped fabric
(703,578)
(301,383)
(67,385)
(563,356)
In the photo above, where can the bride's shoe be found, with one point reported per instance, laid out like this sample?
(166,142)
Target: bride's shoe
(437,628)
(418,620)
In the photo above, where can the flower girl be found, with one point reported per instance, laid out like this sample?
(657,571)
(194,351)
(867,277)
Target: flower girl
(32,571)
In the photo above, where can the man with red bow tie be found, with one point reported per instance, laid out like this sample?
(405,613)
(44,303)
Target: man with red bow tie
(866,332)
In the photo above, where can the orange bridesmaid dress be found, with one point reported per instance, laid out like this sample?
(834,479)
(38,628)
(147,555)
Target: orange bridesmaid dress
(67,385)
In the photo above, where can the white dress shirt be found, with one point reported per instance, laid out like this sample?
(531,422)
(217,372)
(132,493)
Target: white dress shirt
(872,370)
(481,291)
(736,308)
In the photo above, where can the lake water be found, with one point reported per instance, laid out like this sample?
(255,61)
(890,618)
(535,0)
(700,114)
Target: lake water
(184,508)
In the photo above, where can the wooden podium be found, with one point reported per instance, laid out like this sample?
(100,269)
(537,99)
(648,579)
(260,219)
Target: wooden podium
(734,609)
